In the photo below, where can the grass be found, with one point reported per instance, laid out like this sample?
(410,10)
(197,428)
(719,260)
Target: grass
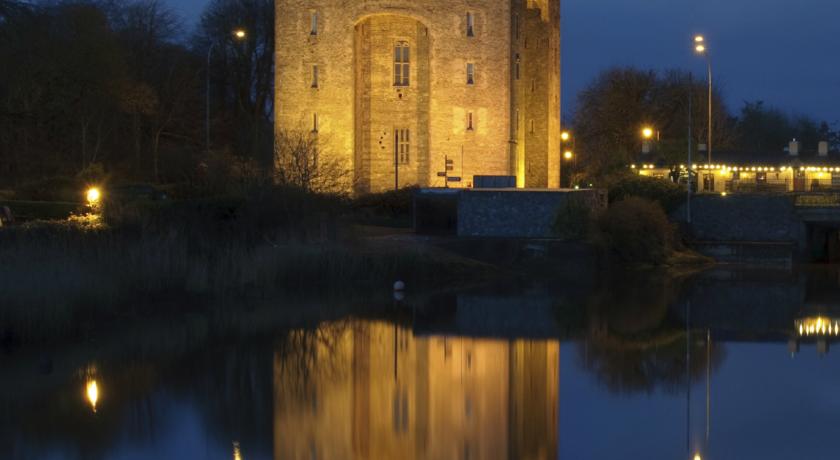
(41,210)
(54,276)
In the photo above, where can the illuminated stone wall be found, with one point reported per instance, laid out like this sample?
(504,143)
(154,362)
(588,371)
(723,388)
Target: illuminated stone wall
(358,107)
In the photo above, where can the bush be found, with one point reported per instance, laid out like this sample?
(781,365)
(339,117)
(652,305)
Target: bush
(67,189)
(637,231)
(668,194)
(572,221)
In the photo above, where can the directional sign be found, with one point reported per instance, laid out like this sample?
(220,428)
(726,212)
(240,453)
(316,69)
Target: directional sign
(453,179)
(450,168)
(441,174)
(449,162)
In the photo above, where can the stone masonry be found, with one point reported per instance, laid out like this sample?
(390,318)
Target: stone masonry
(391,88)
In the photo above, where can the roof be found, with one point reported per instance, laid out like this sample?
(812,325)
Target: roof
(742,158)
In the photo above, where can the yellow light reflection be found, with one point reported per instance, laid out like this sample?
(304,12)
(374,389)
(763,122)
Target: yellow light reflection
(237,453)
(817,326)
(92,391)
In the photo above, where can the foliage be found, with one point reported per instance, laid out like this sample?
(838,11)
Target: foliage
(572,221)
(637,231)
(767,129)
(613,109)
(666,193)
(392,203)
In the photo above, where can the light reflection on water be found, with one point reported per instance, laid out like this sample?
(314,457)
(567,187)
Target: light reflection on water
(533,373)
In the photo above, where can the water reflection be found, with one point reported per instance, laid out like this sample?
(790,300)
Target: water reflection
(374,390)
(92,392)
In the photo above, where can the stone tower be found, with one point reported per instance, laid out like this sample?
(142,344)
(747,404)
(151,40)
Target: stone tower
(391,89)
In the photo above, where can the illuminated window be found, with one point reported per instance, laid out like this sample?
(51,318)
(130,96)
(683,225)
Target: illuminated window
(313,23)
(402,145)
(469,121)
(470,25)
(470,74)
(402,67)
(314,76)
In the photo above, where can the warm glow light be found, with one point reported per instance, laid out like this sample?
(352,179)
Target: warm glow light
(92,391)
(565,135)
(237,453)
(817,325)
(723,194)
(240,34)
(647,133)
(700,48)
(699,39)
(93,195)
(697,457)
(568,155)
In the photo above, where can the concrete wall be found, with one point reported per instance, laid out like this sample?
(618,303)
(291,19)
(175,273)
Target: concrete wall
(741,217)
(517,213)
(357,105)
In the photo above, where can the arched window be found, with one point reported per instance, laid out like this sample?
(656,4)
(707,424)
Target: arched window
(402,67)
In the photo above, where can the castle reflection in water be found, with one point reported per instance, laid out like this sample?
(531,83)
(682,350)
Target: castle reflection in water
(374,390)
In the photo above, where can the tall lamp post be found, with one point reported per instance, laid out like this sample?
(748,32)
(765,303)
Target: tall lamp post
(701,48)
(238,35)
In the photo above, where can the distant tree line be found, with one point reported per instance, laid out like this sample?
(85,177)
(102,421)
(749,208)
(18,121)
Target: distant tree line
(116,88)
(612,110)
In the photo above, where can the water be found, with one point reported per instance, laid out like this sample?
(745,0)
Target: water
(632,367)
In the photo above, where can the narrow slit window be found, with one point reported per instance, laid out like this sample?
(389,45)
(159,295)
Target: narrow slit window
(314,122)
(402,145)
(469,121)
(470,74)
(533,85)
(470,25)
(313,23)
(516,26)
(518,60)
(532,126)
(516,124)
(314,76)
(402,66)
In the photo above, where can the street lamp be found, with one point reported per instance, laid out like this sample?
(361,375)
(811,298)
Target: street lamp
(238,34)
(701,48)
(568,155)
(647,133)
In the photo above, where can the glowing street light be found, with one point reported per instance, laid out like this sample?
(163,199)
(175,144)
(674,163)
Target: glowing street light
(565,136)
(240,34)
(568,155)
(94,196)
(647,133)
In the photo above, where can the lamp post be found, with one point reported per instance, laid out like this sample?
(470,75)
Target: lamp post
(239,35)
(564,138)
(569,155)
(701,48)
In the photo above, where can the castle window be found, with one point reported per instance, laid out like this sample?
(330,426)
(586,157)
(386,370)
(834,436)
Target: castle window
(401,64)
(516,124)
(532,126)
(314,76)
(313,23)
(470,73)
(533,85)
(314,122)
(518,60)
(402,145)
(516,25)
(469,121)
(470,25)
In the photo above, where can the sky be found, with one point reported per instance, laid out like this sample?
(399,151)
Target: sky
(783,52)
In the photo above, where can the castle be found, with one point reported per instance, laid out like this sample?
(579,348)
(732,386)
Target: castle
(397,90)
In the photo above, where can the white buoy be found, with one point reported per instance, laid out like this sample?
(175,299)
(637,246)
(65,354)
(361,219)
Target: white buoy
(399,286)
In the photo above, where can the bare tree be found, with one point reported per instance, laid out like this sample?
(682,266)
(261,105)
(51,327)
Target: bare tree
(301,163)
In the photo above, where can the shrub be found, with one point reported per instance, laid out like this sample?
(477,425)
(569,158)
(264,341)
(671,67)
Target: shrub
(393,203)
(668,194)
(66,189)
(637,231)
(572,221)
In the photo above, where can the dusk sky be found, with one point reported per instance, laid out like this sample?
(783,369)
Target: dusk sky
(783,52)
